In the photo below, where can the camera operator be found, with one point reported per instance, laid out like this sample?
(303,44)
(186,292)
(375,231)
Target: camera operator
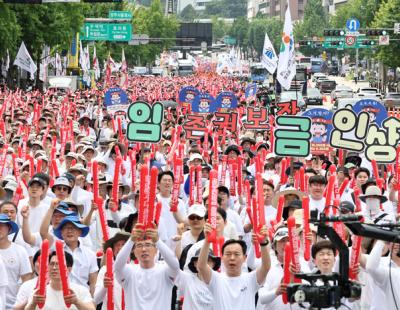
(386,274)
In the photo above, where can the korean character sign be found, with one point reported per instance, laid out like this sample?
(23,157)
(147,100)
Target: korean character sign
(256,119)
(292,136)
(195,126)
(362,133)
(116,101)
(321,127)
(204,103)
(226,100)
(145,122)
(187,95)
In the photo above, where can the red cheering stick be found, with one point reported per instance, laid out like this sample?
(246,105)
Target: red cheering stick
(283,171)
(239,175)
(157,213)
(260,206)
(306,225)
(286,270)
(375,169)
(152,196)
(31,166)
(329,192)
(199,185)
(281,204)
(144,172)
(272,138)
(247,192)
(15,167)
(213,205)
(256,227)
(302,179)
(132,157)
(39,165)
(17,195)
(294,243)
(55,168)
(354,256)
(95,176)
(343,186)
(357,199)
(232,179)
(119,123)
(44,261)
(340,163)
(215,149)
(115,187)
(223,170)
(110,274)
(3,159)
(192,173)
(63,269)
(175,190)
(103,218)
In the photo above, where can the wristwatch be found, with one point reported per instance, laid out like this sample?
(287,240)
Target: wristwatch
(265,243)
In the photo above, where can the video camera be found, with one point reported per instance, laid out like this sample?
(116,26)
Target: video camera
(336,285)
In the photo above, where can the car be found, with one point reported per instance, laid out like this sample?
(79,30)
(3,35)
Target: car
(287,96)
(341,91)
(320,80)
(341,103)
(391,100)
(368,92)
(314,97)
(326,86)
(317,76)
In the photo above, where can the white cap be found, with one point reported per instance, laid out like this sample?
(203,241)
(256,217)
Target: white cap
(197,209)
(195,156)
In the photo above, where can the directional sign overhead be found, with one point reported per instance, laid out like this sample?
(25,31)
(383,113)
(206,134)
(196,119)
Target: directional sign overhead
(119,15)
(106,32)
(353,24)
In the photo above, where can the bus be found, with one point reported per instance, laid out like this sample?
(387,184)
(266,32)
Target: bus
(317,65)
(258,73)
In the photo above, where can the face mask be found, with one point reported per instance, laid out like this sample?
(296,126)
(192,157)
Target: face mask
(372,204)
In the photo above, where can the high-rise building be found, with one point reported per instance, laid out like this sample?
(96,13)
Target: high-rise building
(276,8)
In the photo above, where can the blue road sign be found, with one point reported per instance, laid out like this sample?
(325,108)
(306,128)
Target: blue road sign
(353,24)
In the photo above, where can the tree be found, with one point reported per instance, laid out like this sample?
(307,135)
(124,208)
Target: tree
(10,31)
(226,8)
(387,15)
(258,28)
(188,14)
(363,10)
(219,28)
(313,24)
(239,31)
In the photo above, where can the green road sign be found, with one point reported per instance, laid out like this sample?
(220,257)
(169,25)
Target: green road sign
(348,42)
(119,15)
(106,32)
(229,40)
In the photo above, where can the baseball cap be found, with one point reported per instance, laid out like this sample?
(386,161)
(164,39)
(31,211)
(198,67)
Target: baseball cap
(37,180)
(197,209)
(195,156)
(281,233)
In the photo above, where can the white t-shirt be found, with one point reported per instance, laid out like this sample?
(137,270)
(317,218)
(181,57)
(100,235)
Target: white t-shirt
(317,204)
(25,291)
(3,284)
(187,238)
(147,288)
(232,293)
(196,294)
(55,299)
(36,214)
(234,218)
(100,293)
(17,261)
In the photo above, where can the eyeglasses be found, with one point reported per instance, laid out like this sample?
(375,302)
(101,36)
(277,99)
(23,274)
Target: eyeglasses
(62,188)
(144,245)
(195,217)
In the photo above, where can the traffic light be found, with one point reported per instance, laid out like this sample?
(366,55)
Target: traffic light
(333,32)
(336,43)
(305,43)
(376,32)
(368,42)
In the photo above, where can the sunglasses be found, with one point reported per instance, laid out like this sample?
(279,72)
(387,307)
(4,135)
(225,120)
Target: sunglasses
(62,188)
(195,217)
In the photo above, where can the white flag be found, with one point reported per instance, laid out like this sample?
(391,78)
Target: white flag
(287,62)
(96,66)
(25,61)
(58,65)
(5,65)
(269,60)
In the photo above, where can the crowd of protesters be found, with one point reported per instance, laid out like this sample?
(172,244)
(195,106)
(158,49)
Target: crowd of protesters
(200,250)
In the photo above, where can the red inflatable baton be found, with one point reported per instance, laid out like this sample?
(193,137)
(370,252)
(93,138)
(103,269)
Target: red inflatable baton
(44,261)
(110,274)
(63,269)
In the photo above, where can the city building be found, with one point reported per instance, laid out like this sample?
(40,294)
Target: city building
(198,5)
(332,5)
(276,8)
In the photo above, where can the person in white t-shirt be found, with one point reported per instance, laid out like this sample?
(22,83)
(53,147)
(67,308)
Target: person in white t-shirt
(232,216)
(316,187)
(233,289)
(37,207)
(103,281)
(15,258)
(79,297)
(149,284)
(3,284)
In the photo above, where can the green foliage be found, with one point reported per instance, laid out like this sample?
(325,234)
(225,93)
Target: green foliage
(313,24)
(363,10)
(226,8)
(387,15)
(10,31)
(239,30)
(258,28)
(188,14)
(219,28)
